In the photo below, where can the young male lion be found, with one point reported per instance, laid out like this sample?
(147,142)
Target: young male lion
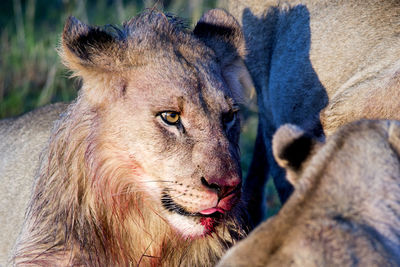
(345,209)
(143,167)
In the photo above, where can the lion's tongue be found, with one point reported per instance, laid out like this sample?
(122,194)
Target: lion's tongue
(211,211)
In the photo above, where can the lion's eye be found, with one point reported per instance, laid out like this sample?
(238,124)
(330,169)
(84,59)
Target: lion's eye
(170,117)
(229,118)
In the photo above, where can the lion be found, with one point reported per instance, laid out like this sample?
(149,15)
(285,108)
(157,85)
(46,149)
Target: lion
(319,64)
(345,209)
(143,168)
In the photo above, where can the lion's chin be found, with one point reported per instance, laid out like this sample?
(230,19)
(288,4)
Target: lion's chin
(191,227)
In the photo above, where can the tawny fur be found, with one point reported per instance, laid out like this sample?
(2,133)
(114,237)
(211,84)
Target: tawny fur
(319,64)
(23,139)
(111,159)
(345,208)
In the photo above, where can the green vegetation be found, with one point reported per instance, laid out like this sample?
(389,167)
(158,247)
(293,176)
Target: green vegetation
(31,74)
(30,71)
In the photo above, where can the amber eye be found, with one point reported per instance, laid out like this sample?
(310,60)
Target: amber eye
(170,117)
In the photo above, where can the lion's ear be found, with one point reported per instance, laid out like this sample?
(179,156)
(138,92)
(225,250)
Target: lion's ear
(291,148)
(221,32)
(394,135)
(86,48)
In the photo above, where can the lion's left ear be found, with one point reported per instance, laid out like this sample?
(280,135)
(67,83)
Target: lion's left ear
(221,32)
(87,49)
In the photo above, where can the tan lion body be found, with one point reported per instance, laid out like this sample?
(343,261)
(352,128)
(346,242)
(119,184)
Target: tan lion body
(324,61)
(23,140)
(143,167)
(345,209)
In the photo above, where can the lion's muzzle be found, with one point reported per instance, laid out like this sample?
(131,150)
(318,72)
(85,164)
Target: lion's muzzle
(228,191)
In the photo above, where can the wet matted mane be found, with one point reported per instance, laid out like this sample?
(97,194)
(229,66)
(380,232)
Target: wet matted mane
(143,167)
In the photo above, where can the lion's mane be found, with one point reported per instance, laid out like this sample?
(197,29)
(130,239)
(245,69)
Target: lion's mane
(88,201)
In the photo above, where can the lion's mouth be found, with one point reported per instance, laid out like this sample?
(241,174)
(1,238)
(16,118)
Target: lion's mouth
(209,219)
(170,205)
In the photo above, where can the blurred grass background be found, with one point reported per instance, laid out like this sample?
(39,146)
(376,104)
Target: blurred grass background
(31,74)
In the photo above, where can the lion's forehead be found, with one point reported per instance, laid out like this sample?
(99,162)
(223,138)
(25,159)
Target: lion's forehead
(196,88)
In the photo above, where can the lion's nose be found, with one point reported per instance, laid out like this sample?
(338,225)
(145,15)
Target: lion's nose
(223,187)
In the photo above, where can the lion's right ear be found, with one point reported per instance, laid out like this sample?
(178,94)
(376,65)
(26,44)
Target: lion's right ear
(87,49)
(220,31)
(291,148)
